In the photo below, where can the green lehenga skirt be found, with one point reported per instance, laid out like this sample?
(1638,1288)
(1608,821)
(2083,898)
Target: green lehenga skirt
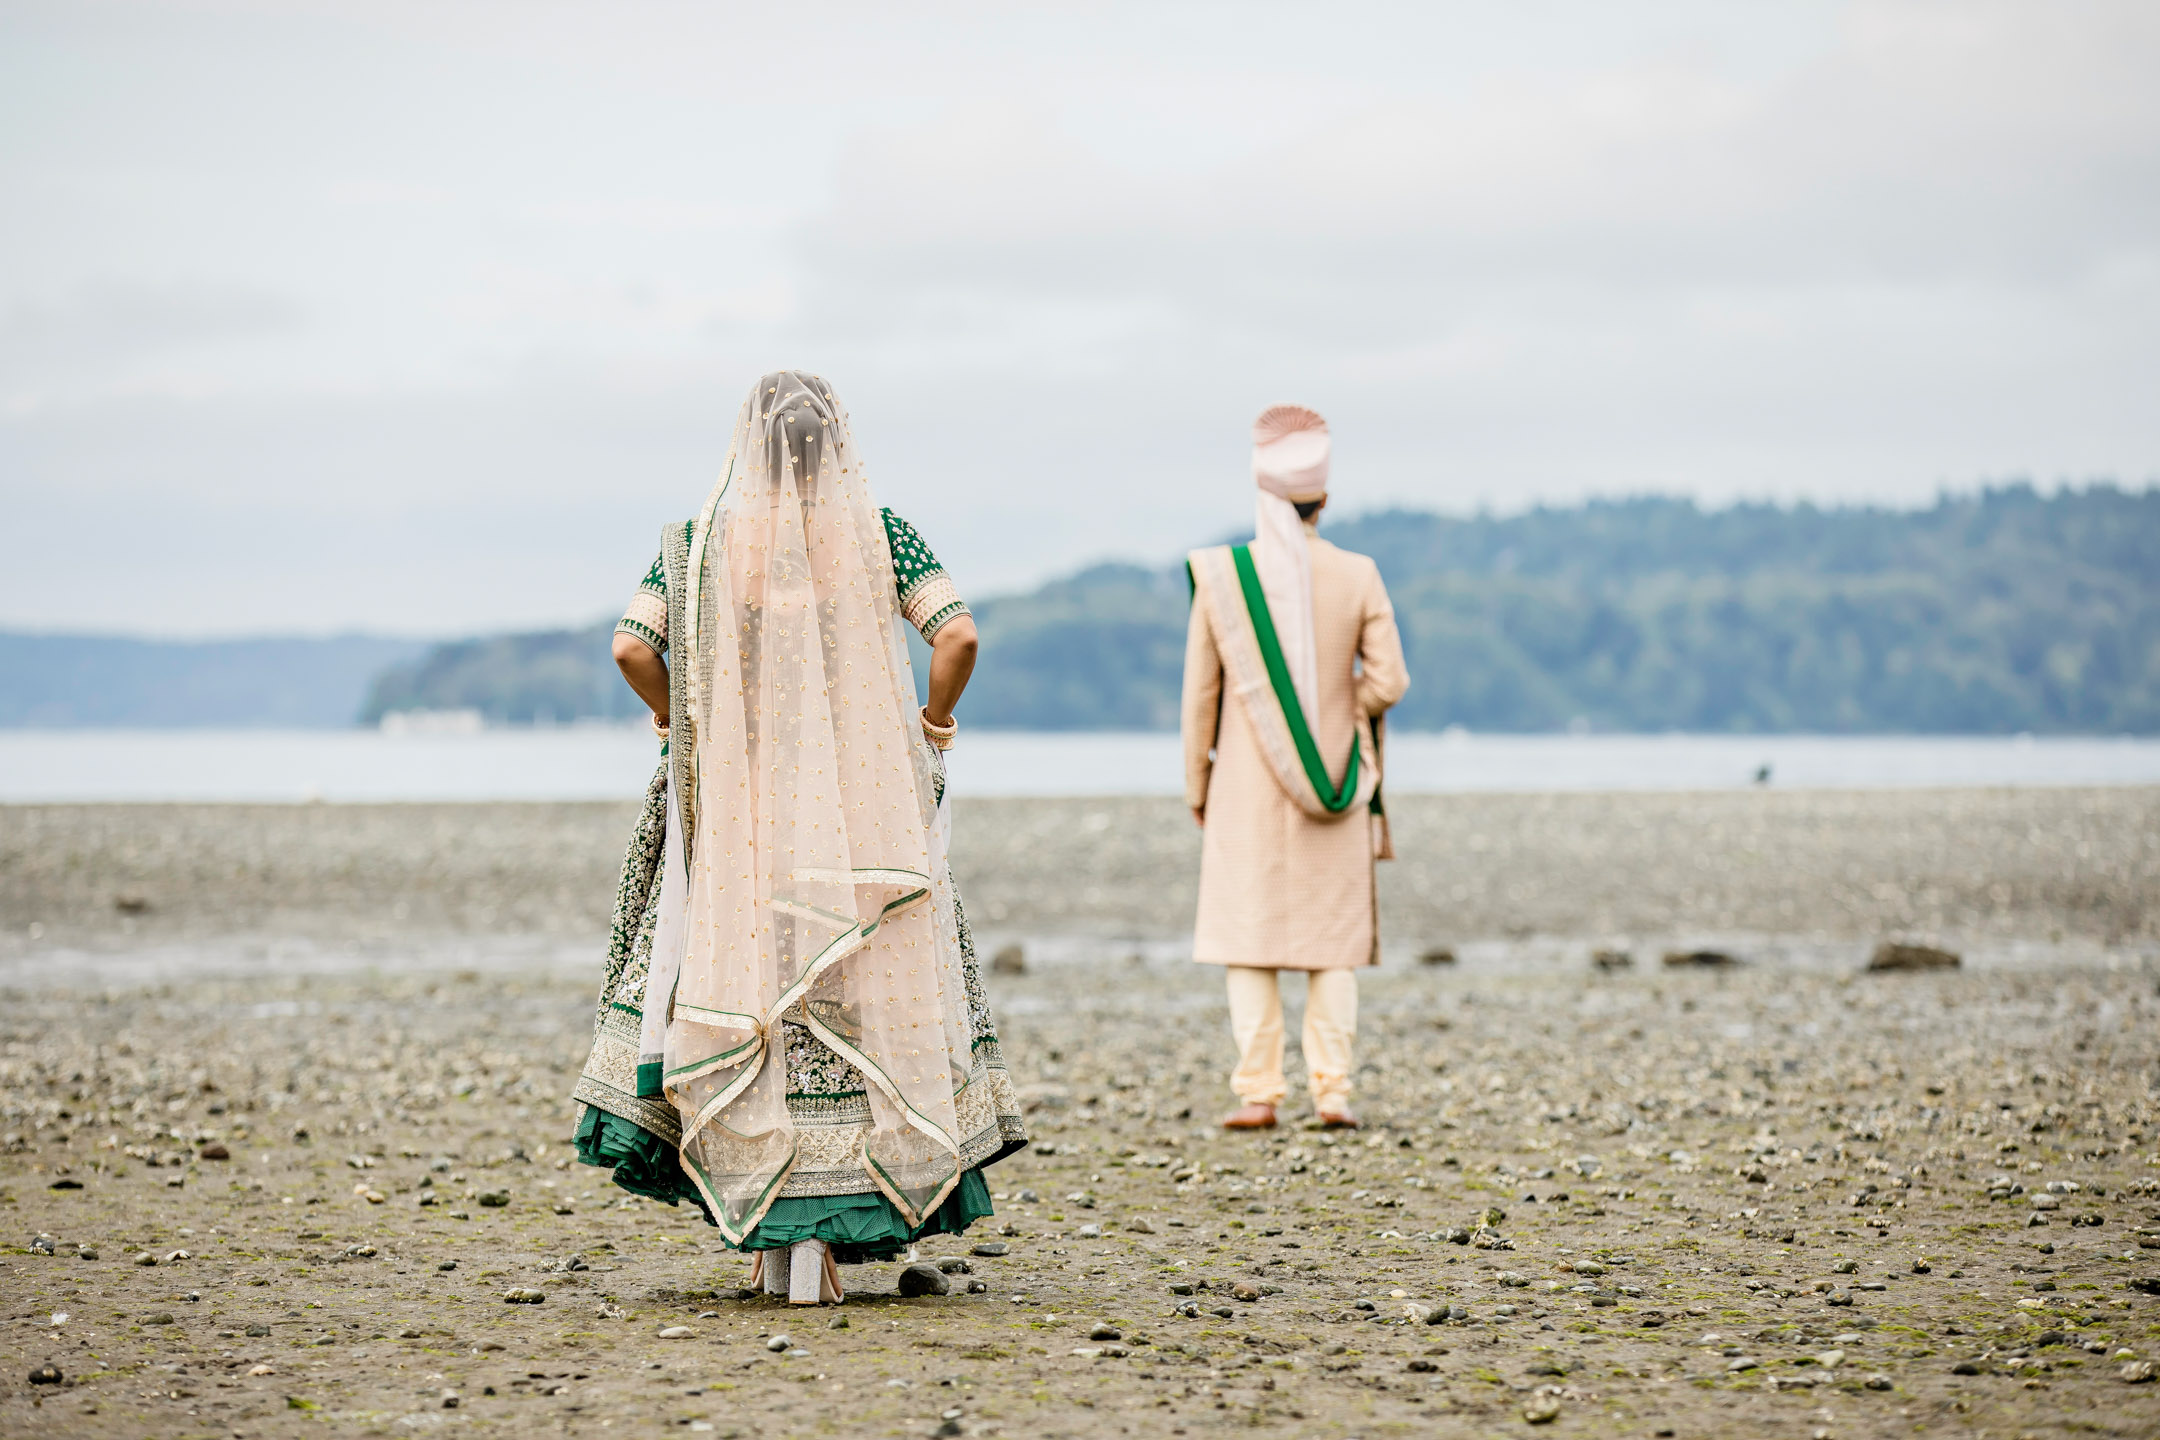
(859,1228)
(626,1125)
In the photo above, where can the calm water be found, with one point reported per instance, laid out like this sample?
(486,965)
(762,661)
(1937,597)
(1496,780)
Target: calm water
(609,763)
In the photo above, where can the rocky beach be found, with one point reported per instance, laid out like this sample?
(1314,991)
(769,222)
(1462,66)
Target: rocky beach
(285,1138)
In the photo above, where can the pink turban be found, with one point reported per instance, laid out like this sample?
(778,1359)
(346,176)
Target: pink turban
(1290,453)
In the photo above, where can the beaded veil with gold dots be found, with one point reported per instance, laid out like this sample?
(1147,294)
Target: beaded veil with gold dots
(817,886)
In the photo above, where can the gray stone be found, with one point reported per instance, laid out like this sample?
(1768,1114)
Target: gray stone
(1895,955)
(991,1249)
(1699,959)
(920,1279)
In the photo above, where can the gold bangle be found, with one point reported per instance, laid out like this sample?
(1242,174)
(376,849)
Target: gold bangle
(660,725)
(940,735)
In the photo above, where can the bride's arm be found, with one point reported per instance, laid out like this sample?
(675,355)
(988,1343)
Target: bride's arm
(952,661)
(647,673)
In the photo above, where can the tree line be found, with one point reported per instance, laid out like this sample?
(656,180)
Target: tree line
(1997,612)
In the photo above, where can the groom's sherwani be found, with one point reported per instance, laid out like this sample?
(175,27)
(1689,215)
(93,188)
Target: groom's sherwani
(1279,888)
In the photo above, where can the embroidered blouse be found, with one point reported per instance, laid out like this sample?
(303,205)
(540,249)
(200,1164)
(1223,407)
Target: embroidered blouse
(927,596)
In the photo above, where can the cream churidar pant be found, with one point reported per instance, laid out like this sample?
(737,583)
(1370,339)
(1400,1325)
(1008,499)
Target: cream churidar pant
(1256,1019)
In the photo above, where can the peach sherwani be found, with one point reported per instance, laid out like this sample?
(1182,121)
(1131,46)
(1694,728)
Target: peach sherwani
(1280,889)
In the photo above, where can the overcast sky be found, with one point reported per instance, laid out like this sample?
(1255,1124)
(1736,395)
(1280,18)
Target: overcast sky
(424,317)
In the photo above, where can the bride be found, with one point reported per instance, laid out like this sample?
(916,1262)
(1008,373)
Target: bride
(792,1032)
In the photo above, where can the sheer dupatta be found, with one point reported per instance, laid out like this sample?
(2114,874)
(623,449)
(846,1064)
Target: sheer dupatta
(816,886)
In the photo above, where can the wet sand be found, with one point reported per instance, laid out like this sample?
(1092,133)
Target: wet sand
(1777,1198)
(1990,866)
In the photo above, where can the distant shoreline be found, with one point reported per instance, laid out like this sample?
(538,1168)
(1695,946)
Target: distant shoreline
(602,763)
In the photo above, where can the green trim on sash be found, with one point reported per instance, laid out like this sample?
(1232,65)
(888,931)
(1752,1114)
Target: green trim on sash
(648,1081)
(1334,799)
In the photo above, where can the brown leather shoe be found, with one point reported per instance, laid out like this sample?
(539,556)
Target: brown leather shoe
(1250,1117)
(1338,1120)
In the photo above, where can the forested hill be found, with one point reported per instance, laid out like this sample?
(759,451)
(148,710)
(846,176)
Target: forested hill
(1997,612)
(2000,612)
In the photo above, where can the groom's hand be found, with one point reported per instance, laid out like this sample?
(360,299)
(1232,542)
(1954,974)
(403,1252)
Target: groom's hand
(1199,816)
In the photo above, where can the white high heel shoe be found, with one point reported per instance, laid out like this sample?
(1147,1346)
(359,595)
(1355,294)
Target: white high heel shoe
(813,1275)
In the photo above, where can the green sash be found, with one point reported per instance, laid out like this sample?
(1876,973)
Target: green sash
(1333,798)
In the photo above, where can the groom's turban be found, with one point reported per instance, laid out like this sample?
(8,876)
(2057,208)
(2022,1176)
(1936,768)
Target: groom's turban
(1290,453)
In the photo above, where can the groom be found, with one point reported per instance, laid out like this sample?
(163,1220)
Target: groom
(1291,657)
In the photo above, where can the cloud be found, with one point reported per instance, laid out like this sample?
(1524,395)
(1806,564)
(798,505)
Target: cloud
(383,268)
(116,321)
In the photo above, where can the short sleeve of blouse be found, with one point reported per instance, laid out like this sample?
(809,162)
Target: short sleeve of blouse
(927,595)
(646,617)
